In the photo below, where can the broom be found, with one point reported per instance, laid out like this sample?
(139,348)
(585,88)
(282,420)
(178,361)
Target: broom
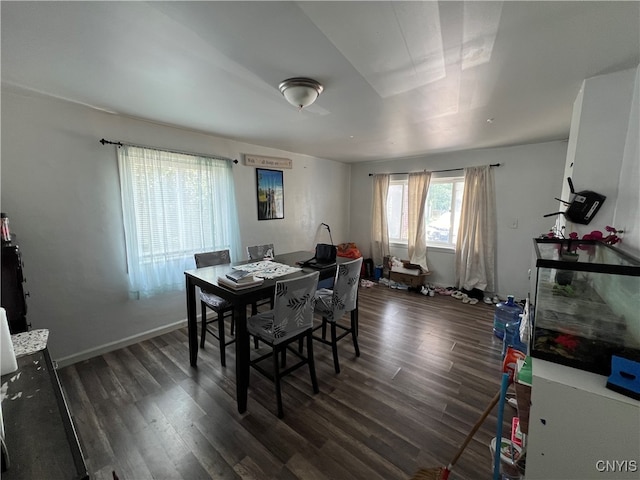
(442,473)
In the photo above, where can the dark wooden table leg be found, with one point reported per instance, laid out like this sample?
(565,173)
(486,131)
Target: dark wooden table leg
(242,356)
(192,322)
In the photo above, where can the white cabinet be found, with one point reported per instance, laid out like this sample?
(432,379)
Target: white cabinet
(579,429)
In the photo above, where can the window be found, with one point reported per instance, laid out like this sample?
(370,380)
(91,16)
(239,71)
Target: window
(173,205)
(397,214)
(444,197)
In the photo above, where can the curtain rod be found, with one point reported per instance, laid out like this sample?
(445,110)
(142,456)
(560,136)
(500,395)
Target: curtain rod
(433,171)
(121,144)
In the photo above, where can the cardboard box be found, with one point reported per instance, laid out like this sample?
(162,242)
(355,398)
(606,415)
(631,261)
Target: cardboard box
(412,280)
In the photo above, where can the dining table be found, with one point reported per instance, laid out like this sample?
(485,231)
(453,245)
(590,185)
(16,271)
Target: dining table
(206,278)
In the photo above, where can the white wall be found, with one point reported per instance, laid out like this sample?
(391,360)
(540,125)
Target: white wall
(627,208)
(604,159)
(529,178)
(60,190)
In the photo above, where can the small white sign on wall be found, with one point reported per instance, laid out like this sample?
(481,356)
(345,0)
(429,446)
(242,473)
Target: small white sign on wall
(273,162)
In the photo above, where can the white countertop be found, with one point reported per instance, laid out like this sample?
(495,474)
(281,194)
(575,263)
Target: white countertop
(26,343)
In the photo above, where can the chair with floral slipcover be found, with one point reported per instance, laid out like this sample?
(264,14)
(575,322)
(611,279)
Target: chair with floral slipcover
(220,306)
(332,304)
(260,252)
(291,319)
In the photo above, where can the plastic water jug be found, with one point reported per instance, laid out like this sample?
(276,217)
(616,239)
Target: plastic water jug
(512,336)
(505,312)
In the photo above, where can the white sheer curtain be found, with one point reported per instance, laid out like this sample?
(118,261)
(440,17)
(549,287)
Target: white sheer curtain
(417,241)
(173,206)
(476,243)
(379,227)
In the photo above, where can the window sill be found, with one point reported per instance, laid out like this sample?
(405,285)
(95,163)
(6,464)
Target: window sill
(398,244)
(431,247)
(441,248)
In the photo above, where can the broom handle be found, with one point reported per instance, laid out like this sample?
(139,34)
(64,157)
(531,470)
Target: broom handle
(485,414)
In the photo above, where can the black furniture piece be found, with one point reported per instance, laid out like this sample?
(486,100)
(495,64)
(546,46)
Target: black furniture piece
(333,303)
(257,253)
(290,320)
(207,279)
(40,437)
(13,293)
(220,306)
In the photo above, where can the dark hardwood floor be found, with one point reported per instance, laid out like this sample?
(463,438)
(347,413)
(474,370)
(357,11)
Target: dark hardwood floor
(428,368)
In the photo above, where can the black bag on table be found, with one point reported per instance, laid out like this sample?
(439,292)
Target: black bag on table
(326,253)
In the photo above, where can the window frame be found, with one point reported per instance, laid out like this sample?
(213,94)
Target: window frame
(457,190)
(404,217)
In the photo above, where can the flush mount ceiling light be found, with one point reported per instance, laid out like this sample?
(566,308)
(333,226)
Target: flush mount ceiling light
(300,92)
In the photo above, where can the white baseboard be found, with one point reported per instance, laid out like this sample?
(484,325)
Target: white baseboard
(125,342)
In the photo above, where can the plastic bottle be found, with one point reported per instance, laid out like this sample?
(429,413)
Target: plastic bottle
(512,336)
(510,362)
(505,312)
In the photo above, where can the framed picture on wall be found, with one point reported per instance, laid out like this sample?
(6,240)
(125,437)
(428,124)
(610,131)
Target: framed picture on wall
(270,193)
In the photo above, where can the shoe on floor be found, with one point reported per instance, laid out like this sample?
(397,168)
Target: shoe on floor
(488,300)
(443,290)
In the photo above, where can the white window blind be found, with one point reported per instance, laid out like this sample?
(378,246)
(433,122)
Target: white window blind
(173,205)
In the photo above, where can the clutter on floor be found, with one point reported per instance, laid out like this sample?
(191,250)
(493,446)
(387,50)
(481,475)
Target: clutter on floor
(403,275)
(469,297)
(427,291)
(406,273)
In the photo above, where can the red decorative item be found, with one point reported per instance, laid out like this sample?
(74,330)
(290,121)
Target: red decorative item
(611,239)
(569,342)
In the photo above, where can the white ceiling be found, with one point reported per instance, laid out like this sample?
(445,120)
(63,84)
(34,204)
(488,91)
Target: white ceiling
(401,78)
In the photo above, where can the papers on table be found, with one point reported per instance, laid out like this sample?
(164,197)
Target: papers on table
(253,274)
(267,269)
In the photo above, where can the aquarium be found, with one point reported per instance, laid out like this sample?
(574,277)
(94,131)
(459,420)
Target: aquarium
(585,299)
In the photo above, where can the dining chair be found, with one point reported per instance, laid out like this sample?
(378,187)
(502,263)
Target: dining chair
(258,252)
(220,306)
(332,304)
(291,319)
